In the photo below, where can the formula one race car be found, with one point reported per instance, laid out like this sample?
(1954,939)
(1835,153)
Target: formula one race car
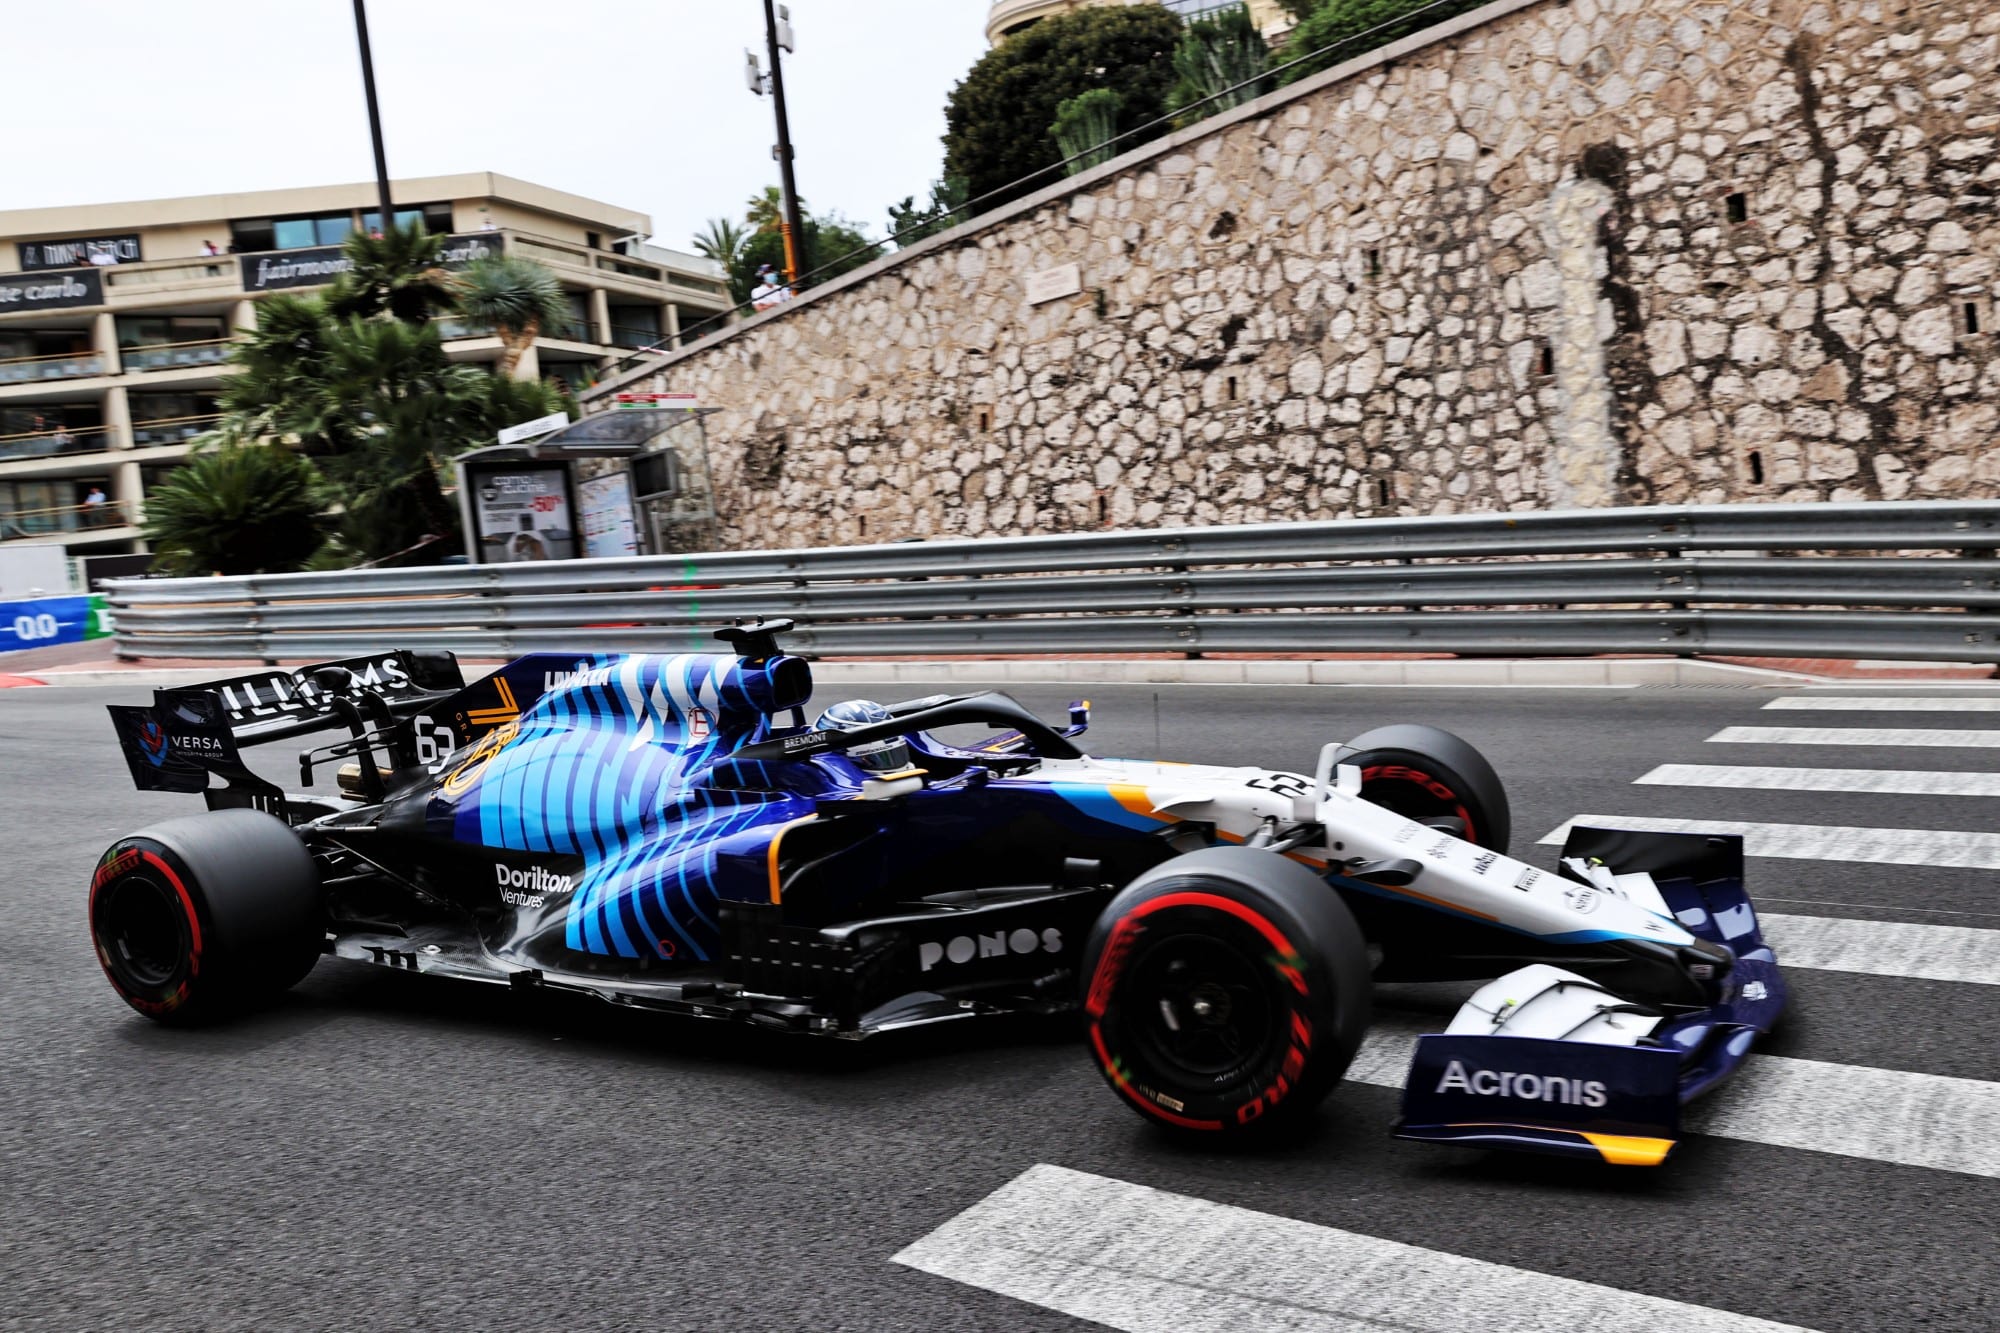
(669,833)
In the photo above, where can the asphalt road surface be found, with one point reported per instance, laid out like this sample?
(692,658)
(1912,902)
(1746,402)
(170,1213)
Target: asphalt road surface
(388,1151)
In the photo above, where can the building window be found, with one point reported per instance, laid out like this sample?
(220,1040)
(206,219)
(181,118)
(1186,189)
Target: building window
(635,325)
(577,328)
(35,508)
(311,230)
(171,342)
(42,430)
(170,418)
(435,217)
(166,330)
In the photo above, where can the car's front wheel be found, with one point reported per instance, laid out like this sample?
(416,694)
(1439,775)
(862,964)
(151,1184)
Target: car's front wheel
(199,917)
(1226,992)
(1426,773)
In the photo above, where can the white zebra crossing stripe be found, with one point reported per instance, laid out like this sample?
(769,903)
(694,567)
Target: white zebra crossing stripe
(1925,737)
(1884,1115)
(1148,1261)
(1885,948)
(1875,781)
(1820,842)
(1850,703)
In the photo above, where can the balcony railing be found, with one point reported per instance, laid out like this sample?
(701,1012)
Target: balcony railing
(55,366)
(623,336)
(173,430)
(568,331)
(49,443)
(176,356)
(17,523)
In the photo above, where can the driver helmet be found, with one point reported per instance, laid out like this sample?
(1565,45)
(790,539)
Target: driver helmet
(890,755)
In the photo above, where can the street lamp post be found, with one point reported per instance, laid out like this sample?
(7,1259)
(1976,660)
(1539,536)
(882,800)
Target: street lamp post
(791,228)
(374,115)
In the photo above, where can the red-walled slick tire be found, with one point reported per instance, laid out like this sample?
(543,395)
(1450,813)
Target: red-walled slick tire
(1225,992)
(198,918)
(1423,772)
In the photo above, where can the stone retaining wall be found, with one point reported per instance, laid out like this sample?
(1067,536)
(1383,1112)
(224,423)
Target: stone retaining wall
(1604,252)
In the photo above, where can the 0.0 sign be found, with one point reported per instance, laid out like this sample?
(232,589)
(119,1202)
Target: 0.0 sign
(31,628)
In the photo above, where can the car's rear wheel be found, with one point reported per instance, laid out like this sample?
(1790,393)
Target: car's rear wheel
(1226,992)
(197,918)
(1426,773)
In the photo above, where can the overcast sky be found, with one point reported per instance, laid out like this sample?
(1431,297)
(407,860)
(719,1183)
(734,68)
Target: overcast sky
(640,103)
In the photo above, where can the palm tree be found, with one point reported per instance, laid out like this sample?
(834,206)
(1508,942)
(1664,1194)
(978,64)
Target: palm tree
(766,209)
(1218,53)
(399,273)
(721,240)
(281,394)
(238,509)
(514,297)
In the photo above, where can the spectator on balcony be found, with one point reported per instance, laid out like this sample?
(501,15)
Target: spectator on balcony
(93,508)
(208,248)
(62,439)
(767,292)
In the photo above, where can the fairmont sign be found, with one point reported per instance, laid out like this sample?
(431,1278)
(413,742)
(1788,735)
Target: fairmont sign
(279,269)
(50,291)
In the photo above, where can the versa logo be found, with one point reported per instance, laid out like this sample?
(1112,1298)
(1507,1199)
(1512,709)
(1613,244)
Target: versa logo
(1526,1087)
(965,948)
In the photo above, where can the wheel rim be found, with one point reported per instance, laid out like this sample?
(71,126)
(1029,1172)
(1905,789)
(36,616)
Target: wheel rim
(1205,1010)
(143,932)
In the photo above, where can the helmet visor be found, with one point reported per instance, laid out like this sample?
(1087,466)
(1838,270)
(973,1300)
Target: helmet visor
(884,756)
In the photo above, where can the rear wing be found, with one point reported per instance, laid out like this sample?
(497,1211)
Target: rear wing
(188,734)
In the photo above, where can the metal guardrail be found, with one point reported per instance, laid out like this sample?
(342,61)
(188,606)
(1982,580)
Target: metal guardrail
(1914,580)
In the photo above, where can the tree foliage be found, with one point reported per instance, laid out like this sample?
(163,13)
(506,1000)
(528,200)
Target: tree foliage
(720,240)
(1220,56)
(829,239)
(516,298)
(999,118)
(400,274)
(911,222)
(369,399)
(1358,26)
(1083,128)
(241,508)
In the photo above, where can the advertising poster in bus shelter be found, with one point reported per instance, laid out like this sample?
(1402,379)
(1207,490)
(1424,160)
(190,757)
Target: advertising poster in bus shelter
(522,512)
(604,506)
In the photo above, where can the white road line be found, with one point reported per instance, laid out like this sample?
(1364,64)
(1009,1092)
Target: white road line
(1148,1261)
(1935,738)
(1878,781)
(1885,948)
(1850,703)
(1821,842)
(1884,1115)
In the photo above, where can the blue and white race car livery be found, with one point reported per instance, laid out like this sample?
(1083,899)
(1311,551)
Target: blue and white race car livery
(677,832)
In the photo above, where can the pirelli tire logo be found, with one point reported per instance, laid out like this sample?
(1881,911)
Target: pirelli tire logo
(531,886)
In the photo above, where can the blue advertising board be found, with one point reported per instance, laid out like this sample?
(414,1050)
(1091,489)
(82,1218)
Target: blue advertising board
(51,620)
